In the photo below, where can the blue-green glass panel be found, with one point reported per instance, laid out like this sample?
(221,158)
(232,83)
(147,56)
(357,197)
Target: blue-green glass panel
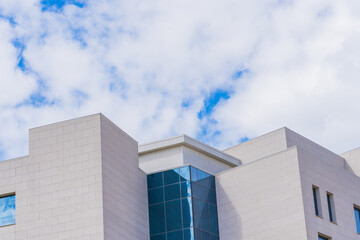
(172,192)
(357,219)
(212,182)
(323,238)
(155,180)
(157,218)
(205,236)
(203,192)
(193,174)
(211,197)
(204,225)
(171,176)
(173,215)
(185,173)
(158,237)
(195,189)
(200,174)
(189,234)
(214,228)
(187,212)
(185,189)
(197,213)
(156,195)
(197,234)
(213,237)
(7,210)
(205,179)
(175,235)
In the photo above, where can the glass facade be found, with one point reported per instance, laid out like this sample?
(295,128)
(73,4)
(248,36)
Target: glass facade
(7,210)
(357,219)
(182,205)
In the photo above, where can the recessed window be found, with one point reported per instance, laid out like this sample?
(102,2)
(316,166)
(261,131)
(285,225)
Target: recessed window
(7,210)
(323,237)
(331,207)
(357,218)
(317,204)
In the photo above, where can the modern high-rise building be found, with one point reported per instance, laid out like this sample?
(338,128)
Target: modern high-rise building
(87,179)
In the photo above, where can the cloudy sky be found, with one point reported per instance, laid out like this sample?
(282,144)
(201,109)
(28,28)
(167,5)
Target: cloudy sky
(220,71)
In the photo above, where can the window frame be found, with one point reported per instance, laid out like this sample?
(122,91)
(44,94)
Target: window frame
(331,206)
(317,201)
(5,196)
(357,208)
(323,237)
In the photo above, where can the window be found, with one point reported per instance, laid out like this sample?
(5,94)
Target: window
(331,207)
(357,218)
(7,210)
(323,237)
(317,204)
(182,205)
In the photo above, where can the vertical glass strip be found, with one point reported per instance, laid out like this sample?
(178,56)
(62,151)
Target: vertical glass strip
(315,201)
(328,196)
(357,219)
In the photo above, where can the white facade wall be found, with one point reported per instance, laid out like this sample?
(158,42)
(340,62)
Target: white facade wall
(62,192)
(58,186)
(124,186)
(260,147)
(262,200)
(345,188)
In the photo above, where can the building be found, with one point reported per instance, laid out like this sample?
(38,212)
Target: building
(87,179)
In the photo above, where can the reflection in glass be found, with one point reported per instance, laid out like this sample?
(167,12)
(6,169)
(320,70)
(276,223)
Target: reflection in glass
(357,219)
(7,210)
(185,189)
(182,205)
(184,174)
(171,176)
(187,212)
(189,234)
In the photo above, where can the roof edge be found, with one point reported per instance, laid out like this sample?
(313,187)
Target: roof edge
(184,140)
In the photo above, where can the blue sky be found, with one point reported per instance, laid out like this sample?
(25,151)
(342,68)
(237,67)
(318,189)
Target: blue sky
(222,72)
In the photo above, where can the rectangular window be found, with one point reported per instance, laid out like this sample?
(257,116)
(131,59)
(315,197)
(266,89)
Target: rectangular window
(331,207)
(317,204)
(7,210)
(357,218)
(323,237)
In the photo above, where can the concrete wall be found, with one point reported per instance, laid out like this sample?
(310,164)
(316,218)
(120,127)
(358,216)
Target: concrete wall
(58,186)
(203,161)
(262,199)
(124,186)
(352,161)
(344,186)
(295,139)
(259,147)
(164,159)
(81,180)
(178,156)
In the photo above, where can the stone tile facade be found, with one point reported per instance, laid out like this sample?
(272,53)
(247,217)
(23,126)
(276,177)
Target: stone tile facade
(86,179)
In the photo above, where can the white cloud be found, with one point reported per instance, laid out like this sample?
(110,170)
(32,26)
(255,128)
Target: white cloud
(138,62)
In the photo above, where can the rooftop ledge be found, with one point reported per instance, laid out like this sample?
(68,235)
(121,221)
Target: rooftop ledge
(184,140)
